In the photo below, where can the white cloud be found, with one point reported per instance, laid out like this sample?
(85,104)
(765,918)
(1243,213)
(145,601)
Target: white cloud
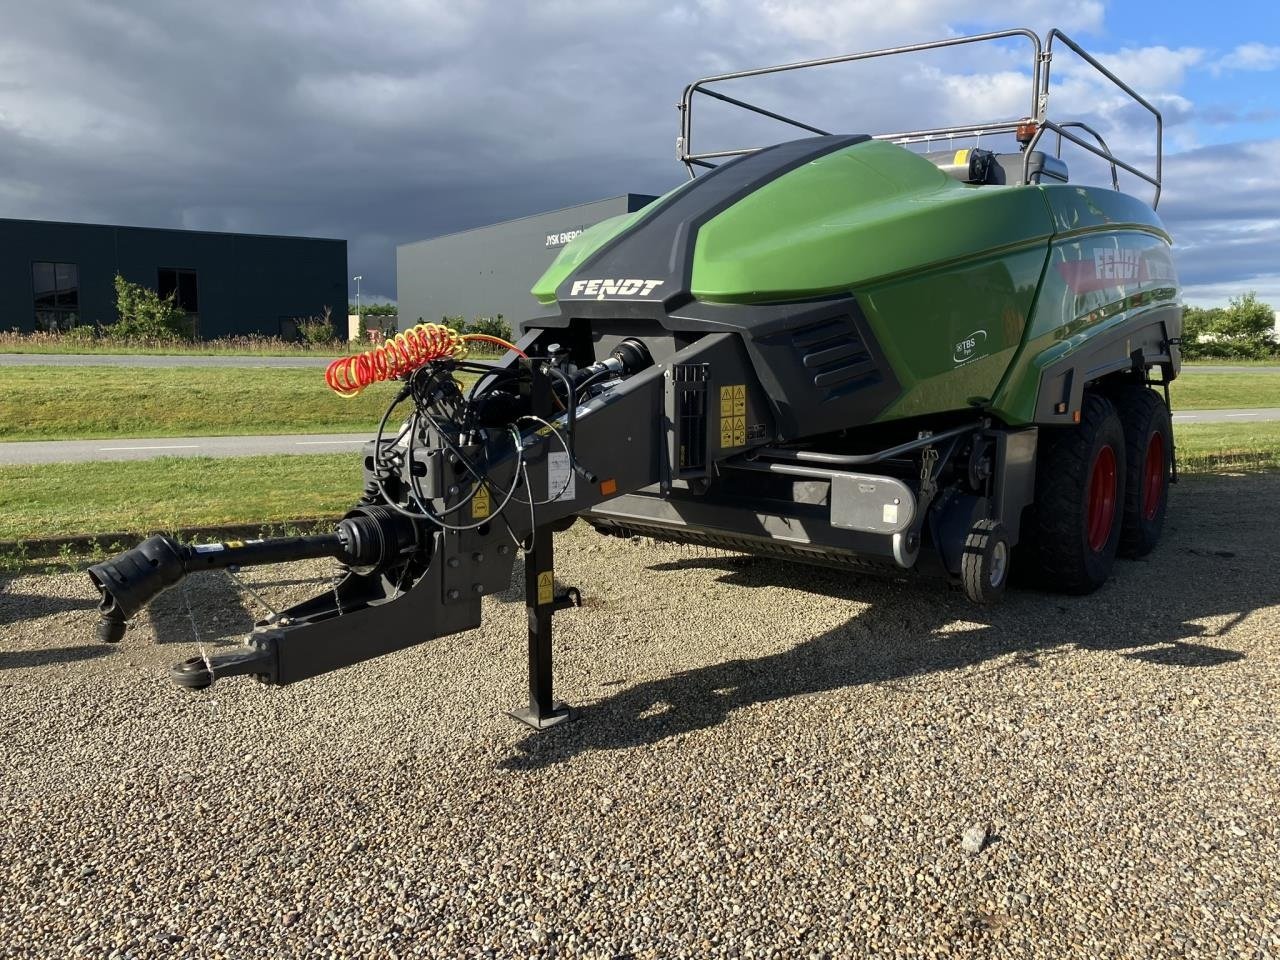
(386,120)
(1249,56)
(1266,286)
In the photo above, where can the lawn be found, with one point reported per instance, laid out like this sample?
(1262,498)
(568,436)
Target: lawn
(144,496)
(1218,391)
(52,500)
(1224,447)
(66,403)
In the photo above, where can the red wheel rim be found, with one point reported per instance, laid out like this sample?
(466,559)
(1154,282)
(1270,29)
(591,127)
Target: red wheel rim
(1153,476)
(1101,512)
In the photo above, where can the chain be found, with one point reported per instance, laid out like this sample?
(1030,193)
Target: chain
(338,571)
(195,631)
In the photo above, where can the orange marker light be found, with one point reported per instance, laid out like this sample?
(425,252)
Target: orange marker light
(609,487)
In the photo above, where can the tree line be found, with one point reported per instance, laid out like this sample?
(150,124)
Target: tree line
(1242,330)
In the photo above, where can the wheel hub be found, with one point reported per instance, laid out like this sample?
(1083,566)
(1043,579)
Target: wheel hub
(1100,511)
(1153,476)
(999,564)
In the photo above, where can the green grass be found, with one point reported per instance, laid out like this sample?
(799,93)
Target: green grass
(198,349)
(1217,391)
(1227,447)
(70,499)
(136,497)
(66,403)
(11,341)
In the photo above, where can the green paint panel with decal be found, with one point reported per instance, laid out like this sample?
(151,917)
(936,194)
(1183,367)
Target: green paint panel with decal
(1110,269)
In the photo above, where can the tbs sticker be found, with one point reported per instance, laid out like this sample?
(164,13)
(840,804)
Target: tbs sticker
(969,347)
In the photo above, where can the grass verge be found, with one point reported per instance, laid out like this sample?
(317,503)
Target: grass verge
(1227,447)
(178,493)
(1221,391)
(143,496)
(70,403)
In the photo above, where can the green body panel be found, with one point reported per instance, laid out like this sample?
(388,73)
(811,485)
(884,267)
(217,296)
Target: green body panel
(871,212)
(1110,266)
(970,291)
(966,323)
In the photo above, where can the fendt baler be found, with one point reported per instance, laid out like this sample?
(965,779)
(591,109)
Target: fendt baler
(837,349)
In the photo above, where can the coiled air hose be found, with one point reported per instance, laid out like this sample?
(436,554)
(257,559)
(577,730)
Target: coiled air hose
(406,351)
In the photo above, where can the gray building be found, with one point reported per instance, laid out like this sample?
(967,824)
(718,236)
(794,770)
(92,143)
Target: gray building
(489,270)
(56,275)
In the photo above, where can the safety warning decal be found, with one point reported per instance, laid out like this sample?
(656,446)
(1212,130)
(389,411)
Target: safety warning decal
(733,415)
(480,503)
(546,587)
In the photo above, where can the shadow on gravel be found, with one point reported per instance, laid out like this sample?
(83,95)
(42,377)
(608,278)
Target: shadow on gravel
(1145,613)
(27,606)
(221,612)
(17,659)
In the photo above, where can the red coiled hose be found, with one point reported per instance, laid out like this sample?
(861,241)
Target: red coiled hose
(404,352)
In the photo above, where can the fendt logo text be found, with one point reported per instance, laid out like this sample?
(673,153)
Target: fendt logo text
(608,287)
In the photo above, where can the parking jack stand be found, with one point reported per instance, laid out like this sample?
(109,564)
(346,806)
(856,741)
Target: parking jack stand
(541,602)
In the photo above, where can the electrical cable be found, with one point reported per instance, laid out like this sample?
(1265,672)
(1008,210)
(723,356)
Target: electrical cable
(515,482)
(569,453)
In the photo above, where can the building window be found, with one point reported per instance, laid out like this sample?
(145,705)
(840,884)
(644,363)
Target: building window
(182,284)
(56,289)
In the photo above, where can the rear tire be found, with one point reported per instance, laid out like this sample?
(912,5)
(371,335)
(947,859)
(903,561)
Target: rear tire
(1080,490)
(1148,437)
(984,564)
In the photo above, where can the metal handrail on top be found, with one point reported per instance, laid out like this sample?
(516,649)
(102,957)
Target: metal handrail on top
(1029,130)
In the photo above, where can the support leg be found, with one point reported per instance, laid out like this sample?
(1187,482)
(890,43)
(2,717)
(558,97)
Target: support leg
(541,603)
(540,598)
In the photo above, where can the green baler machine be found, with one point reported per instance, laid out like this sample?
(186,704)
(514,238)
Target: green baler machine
(840,349)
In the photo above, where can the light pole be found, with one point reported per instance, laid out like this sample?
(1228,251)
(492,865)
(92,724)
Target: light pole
(359,318)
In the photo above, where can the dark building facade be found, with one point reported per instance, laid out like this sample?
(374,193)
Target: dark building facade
(490,270)
(57,275)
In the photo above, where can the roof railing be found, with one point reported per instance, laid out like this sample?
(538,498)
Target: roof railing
(1028,130)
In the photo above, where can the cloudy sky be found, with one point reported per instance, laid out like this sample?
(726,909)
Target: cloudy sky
(386,121)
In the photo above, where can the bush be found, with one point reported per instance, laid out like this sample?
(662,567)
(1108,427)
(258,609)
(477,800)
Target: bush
(145,315)
(491,327)
(318,331)
(85,333)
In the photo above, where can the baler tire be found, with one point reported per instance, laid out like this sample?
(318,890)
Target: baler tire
(1075,540)
(1148,436)
(984,563)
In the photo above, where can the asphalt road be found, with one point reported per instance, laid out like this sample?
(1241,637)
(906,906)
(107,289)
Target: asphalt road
(1239,415)
(153,360)
(80,451)
(213,360)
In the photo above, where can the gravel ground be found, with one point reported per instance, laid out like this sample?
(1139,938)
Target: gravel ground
(772,761)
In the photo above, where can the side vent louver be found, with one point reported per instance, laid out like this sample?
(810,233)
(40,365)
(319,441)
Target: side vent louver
(833,354)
